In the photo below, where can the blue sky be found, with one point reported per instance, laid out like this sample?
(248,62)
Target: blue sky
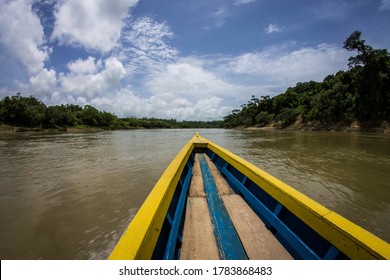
(182,59)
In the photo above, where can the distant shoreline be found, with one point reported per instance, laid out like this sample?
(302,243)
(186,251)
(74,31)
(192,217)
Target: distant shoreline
(383,128)
(9,129)
(16,130)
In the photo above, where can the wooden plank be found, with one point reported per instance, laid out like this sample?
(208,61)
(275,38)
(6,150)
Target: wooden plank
(258,241)
(196,186)
(220,182)
(228,242)
(199,242)
(196,168)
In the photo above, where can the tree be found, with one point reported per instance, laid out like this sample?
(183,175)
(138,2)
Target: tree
(372,69)
(365,52)
(21,110)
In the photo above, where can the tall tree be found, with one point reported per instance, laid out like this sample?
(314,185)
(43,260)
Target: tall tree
(355,43)
(372,67)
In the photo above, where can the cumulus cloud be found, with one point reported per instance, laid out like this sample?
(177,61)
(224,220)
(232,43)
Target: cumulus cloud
(88,66)
(44,83)
(168,106)
(91,78)
(21,33)
(188,77)
(91,24)
(184,91)
(272,28)
(185,109)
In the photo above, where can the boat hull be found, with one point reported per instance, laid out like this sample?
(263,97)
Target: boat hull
(305,228)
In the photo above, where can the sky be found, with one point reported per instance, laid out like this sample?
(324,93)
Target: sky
(181,59)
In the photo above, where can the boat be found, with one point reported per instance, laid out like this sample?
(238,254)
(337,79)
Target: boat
(211,204)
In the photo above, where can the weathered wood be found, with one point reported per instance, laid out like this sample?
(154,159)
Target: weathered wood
(258,241)
(220,182)
(198,235)
(196,186)
(199,241)
(196,169)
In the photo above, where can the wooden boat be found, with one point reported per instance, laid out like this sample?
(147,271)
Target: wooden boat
(212,204)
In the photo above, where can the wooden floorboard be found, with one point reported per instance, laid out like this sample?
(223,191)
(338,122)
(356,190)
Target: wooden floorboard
(258,241)
(198,237)
(220,182)
(196,186)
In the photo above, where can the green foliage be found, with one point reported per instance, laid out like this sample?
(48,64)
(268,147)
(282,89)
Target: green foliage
(63,115)
(29,111)
(134,122)
(362,93)
(21,110)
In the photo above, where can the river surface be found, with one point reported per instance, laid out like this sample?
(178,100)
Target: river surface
(71,196)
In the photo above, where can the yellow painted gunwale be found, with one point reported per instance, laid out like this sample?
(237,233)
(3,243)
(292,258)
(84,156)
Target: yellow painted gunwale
(349,238)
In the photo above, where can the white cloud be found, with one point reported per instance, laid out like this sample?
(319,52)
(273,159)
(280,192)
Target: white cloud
(123,102)
(272,28)
(84,83)
(87,66)
(89,23)
(242,2)
(385,5)
(44,83)
(185,109)
(146,47)
(188,78)
(184,91)
(21,33)
(126,103)
(283,67)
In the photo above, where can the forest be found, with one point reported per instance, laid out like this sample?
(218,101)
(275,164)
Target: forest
(30,112)
(360,96)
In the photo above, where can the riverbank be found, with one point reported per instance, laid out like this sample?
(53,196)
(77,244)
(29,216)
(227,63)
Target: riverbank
(383,127)
(8,129)
(15,130)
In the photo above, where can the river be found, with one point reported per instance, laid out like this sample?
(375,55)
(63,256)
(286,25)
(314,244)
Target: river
(70,196)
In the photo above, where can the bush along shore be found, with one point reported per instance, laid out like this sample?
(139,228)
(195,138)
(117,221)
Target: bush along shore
(353,100)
